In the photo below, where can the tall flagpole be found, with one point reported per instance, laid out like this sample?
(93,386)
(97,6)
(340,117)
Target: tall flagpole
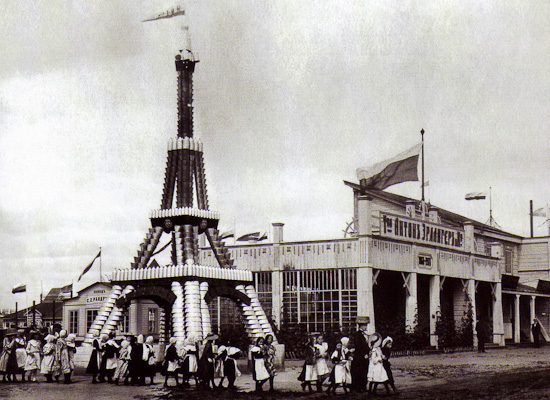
(422,134)
(100,255)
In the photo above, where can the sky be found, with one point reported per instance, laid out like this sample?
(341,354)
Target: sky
(290,98)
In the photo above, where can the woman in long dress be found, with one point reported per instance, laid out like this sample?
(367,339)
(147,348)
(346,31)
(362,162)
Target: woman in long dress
(259,372)
(309,370)
(269,357)
(95,359)
(376,373)
(48,359)
(32,363)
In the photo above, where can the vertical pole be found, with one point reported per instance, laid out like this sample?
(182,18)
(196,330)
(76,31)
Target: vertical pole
(16,321)
(53,312)
(33,314)
(100,264)
(531,216)
(490,207)
(422,134)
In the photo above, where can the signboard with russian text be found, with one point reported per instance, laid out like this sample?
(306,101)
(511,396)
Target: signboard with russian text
(400,227)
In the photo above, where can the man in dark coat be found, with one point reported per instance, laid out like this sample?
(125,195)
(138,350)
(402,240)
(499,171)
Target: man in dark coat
(483,331)
(535,329)
(360,362)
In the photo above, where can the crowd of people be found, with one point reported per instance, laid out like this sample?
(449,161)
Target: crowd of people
(28,353)
(359,365)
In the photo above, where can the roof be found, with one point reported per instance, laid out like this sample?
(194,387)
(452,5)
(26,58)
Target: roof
(45,309)
(448,215)
(59,294)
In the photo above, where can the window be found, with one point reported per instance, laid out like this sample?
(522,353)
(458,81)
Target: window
(323,300)
(425,261)
(152,320)
(73,322)
(508,261)
(90,318)
(124,323)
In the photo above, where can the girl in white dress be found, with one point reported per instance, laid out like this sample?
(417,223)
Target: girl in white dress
(321,354)
(377,373)
(32,363)
(339,372)
(259,373)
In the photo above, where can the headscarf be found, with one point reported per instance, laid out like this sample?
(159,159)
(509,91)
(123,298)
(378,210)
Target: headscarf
(62,333)
(50,338)
(140,339)
(172,340)
(386,341)
(125,344)
(344,340)
(149,340)
(104,337)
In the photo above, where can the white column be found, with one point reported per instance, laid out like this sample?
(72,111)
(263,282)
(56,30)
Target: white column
(435,307)
(471,291)
(277,296)
(498,317)
(516,320)
(531,316)
(411,302)
(365,300)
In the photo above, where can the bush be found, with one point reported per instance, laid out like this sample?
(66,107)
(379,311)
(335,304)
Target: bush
(450,336)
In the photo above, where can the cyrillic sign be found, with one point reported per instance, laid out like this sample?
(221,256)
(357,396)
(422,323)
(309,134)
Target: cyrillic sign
(420,231)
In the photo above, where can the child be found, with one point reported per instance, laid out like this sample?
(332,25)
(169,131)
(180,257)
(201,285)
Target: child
(387,345)
(339,373)
(376,373)
(48,360)
(259,372)
(32,363)
(230,366)
(122,363)
(309,371)
(321,355)
(71,349)
(189,366)
(171,362)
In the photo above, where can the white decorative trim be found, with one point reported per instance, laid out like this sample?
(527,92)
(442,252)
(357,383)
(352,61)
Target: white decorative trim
(176,271)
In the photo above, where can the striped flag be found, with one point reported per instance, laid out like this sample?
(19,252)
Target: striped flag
(256,236)
(89,266)
(401,168)
(20,288)
(476,196)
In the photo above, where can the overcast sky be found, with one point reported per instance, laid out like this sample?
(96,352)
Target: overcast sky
(290,98)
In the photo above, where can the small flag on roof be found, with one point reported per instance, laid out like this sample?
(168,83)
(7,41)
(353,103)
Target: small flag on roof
(20,288)
(256,236)
(540,212)
(476,196)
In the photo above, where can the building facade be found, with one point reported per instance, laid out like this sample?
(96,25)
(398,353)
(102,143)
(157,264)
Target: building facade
(406,264)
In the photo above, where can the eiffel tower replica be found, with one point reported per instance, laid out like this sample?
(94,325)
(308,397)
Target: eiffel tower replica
(183,288)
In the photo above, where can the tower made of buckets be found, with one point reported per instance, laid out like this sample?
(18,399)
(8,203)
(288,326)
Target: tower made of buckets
(183,288)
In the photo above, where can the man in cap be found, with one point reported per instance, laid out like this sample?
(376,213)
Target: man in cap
(360,362)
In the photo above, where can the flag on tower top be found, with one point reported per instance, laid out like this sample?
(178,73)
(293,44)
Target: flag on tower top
(401,168)
(476,196)
(540,212)
(20,288)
